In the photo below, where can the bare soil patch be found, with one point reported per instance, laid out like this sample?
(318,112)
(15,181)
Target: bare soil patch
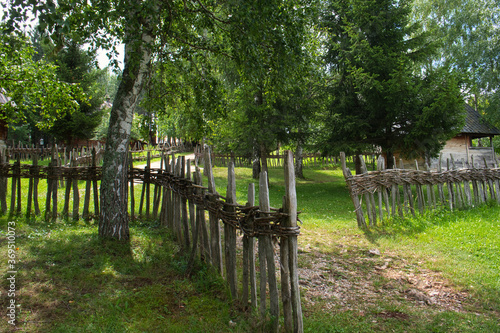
(359,279)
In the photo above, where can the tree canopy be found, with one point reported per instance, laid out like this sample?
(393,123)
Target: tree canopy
(33,86)
(382,94)
(469,32)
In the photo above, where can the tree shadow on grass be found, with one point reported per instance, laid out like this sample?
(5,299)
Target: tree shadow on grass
(71,276)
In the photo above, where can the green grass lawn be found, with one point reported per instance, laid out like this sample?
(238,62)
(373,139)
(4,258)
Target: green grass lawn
(439,272)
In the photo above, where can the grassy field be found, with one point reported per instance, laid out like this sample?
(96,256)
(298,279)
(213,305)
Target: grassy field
(439,272)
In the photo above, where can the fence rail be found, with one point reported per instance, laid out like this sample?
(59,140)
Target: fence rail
(400,192)
(180,202)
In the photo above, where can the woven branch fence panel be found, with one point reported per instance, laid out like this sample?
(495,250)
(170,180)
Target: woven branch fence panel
(382,194)
(174,194)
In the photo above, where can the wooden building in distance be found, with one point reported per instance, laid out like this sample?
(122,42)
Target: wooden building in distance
(461,148)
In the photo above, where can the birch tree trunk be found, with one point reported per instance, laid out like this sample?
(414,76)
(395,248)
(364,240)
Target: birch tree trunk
(113,221)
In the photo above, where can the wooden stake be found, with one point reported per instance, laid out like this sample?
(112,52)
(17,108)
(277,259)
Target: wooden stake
(290,208)
(355,199)
(268,252)
(249,278)
(215,238)
(230,233)
(76,195)
(131,186)
(183,206)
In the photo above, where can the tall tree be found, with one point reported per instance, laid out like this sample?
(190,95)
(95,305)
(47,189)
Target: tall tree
(267,68)
(76,65)
(382,94)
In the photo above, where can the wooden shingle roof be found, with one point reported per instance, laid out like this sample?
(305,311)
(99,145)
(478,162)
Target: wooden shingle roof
(476,124)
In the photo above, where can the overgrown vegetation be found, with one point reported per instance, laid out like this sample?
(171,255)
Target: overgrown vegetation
(437,272)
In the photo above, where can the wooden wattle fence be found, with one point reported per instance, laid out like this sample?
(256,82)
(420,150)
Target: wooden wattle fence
(385,193)
(83,155)
(174,194)
(274,160)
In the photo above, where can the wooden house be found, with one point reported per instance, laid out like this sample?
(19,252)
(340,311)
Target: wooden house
(461,148)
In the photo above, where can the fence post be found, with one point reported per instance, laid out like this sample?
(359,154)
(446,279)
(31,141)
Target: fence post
(157,191)
(86,200)
(354,197)
(491,186)
(147,183)
(215,239)
(459,202)
(16,181)
(94,183)
(230,232)
(76,194)
(200,220)
(35,184)
(249,279)
(195,229)
(30,192)
(266,253)
(382,193)
(191,206)
(291,249)
(67,192)
(131,181)
(431,200)
(408,196)
(440,186)
(183,205)
(395,193)
(420,193)
(170,196)
(177,204)
(49,191)
(369,198)
(55,182)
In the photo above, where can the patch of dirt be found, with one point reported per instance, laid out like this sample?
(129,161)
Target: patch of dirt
(358,279)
